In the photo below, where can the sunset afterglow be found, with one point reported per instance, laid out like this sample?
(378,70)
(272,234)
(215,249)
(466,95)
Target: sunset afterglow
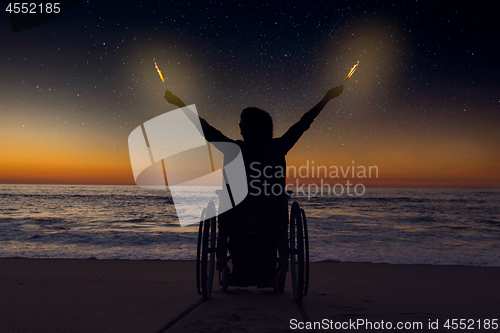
(424,110)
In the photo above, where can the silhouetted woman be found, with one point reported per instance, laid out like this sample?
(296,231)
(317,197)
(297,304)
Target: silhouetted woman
(265,166)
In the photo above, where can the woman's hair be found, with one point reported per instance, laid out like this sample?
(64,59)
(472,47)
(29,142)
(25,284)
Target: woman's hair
(256,124)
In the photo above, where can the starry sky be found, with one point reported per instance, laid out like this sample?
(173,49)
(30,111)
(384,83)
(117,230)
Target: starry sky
(423,105)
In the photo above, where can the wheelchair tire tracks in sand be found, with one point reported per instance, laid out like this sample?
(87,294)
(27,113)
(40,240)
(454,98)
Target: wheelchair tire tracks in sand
(242,310)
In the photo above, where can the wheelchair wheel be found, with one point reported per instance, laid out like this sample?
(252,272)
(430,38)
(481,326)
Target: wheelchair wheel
(306,245)
(299,253)
(198,252)
(208,250)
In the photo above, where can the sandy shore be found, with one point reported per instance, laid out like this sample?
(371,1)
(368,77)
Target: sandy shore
(38,295)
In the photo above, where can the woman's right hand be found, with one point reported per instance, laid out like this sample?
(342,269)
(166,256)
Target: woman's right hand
(172,99)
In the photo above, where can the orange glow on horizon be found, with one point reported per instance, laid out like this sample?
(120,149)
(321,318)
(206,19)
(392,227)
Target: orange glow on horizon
(32,154)
(84,164)
(36,150)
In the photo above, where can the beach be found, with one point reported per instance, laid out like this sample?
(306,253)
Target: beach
(66,295)
(113,259)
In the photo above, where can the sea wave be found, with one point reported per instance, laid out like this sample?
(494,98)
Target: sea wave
(412,226)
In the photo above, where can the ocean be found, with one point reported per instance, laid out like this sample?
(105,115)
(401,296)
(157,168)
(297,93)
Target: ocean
(385,225)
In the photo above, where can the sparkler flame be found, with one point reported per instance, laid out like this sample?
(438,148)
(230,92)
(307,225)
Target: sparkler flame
(353,69)
(159,72)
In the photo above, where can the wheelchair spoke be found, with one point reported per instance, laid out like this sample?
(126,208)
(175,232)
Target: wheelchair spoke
(297,252)
(208,250)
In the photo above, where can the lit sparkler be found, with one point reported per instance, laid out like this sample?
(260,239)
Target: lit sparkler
(159,73)
(353,69)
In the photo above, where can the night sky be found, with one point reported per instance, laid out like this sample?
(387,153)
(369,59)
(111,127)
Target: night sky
(423,104)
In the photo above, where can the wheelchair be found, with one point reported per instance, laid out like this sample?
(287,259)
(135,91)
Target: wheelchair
(289,241)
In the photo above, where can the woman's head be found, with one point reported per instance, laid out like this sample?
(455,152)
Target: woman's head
(256,125)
